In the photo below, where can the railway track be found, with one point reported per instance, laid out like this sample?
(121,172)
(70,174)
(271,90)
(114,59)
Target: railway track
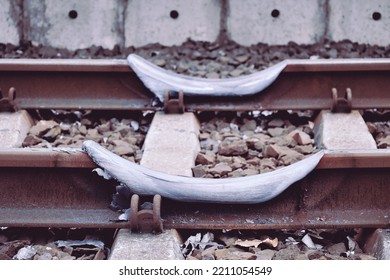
(49,188)
(56,188)
(112,85)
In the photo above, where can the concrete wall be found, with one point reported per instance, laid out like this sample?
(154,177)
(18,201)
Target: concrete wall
(74,24)
(10,13)
(360,20)
(171,22)
(276,21)
(79,24)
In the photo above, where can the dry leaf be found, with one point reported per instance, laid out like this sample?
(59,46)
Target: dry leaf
(248,243)
(272,242)
(256,242)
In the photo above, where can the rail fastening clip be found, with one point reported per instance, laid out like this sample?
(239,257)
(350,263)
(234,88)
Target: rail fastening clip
(341,105)
(146,220)
(174,102)
(8,104)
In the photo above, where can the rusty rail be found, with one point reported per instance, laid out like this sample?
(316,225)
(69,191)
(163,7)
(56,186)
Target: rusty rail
(111,84)
(57,188)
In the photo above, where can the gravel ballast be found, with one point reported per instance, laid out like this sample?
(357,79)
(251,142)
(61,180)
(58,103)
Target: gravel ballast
(237,145)
(123,136)
(307,244)
(209,60)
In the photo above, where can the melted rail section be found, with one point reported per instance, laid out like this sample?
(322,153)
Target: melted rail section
(57,188)
(112,85)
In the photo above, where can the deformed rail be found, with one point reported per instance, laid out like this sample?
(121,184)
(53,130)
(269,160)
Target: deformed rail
(57,188)
(111,84)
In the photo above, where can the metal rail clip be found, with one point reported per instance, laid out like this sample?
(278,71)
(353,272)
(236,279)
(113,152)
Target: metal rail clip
(341,105)
(173,102)
(7,104)
(146,220)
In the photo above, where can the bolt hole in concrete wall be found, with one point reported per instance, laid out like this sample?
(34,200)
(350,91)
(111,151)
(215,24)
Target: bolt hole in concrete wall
(275,13)
(376,15)
(174,14)
(73,14)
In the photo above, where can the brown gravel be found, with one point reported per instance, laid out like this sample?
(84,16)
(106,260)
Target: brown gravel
(381,133)
(378,124)
(123,136)
(211,60)
(249,144)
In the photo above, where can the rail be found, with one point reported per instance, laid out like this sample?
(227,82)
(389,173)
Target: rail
(57,188)
(43,187)
(112,85)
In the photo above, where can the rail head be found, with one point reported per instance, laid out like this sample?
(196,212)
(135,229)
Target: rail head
(64,65)
(121,65)
(42,157)
(76,158)
(337,65)
(111,84)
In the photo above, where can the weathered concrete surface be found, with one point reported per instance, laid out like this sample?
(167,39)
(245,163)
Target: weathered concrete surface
(74,24)
(79,24)
(171,146)
(172,143)
(342,131)
(378,244)
(171,22)
(133,246)
(276,21)
(9,19)
(14,128)
(360,21)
